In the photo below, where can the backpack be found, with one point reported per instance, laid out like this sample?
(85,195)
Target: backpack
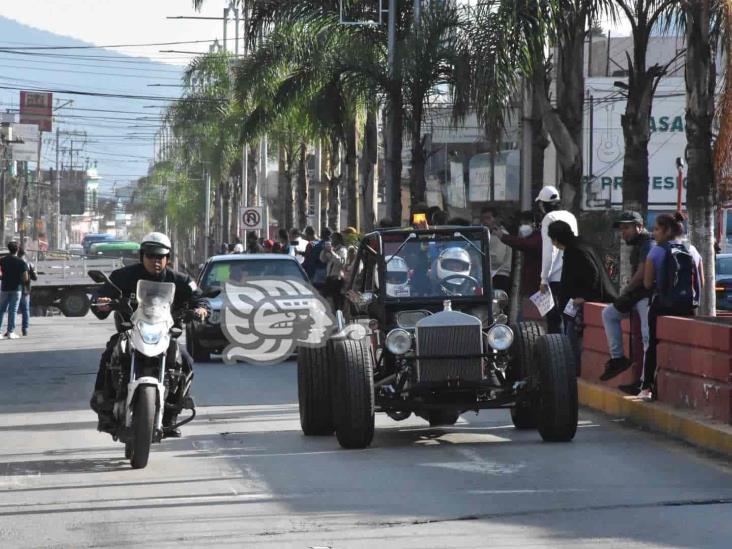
(676,281)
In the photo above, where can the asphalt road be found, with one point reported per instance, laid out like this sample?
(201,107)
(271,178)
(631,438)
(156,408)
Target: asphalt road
(243,475)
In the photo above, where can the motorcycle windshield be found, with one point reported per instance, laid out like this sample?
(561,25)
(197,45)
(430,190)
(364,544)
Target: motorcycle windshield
(154,300)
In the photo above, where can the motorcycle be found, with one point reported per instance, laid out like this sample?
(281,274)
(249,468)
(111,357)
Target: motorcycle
(145,371)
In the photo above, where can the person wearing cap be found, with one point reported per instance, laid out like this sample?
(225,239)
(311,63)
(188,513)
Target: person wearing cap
(155,251)
(632,297)
(551,256)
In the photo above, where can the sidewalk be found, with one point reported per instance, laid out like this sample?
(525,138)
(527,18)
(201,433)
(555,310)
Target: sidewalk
(688,426)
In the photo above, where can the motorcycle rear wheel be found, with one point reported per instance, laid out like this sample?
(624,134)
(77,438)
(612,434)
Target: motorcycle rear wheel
(143,419)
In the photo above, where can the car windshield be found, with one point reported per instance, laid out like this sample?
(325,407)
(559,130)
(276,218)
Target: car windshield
(240,269)
(432,266)
(724,266)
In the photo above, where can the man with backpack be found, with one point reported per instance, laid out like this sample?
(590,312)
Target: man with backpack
(673,271)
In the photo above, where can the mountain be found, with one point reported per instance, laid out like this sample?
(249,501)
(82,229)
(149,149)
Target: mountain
(119,102)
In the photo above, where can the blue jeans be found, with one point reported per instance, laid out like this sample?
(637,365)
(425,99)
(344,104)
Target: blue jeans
(24,309)
(9,302)
(611,319)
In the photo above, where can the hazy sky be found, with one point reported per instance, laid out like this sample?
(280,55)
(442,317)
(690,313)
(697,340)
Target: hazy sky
(104,22)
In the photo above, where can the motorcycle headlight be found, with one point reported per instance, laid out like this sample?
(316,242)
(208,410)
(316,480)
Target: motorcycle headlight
(150,333)
(398,341)
(500,337)
(215,317)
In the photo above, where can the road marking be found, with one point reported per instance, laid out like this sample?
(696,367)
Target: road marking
(477,464)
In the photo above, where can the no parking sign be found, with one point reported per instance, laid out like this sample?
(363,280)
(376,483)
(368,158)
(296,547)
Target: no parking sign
(251,219)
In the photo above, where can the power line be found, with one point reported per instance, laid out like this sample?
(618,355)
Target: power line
(112,45)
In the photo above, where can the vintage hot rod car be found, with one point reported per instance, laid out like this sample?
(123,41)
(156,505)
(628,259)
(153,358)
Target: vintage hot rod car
(433,342)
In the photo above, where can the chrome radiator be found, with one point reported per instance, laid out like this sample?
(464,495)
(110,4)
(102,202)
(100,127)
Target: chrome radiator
(446,336)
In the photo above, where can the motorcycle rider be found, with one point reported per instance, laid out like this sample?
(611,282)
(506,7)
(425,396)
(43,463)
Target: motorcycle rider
(154,257)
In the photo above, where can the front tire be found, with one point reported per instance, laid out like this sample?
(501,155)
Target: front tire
(143,423)
(523,414)
(558,402)
(315,395)
(353,393)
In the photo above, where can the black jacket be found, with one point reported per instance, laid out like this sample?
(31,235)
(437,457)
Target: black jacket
(584,275)
(126,280)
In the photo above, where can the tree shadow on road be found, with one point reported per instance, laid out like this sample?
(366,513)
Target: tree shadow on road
(63,466)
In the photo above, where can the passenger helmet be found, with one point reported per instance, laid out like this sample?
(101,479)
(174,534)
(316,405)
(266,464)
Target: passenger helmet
(155,243)
(397,276)
(452,261)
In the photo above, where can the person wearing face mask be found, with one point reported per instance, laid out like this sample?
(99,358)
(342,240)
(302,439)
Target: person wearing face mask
(527,241)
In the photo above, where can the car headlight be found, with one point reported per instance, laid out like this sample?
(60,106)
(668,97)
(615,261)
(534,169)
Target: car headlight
(500,337)
(150,333)
(398,341)
(500,301)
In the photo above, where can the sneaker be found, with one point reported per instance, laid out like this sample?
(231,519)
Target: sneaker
(646,395)
(3,336)
(615,366)
(13,335)
(631,388)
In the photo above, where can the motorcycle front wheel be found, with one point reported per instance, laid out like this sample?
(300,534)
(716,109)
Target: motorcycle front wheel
(143,421)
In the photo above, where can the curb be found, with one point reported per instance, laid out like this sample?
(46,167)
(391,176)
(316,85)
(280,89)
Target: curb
(656,416)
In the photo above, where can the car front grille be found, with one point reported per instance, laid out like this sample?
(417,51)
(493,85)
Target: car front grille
(448,336)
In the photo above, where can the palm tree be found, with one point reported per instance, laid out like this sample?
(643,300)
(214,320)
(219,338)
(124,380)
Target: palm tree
(701,19)
(644,17)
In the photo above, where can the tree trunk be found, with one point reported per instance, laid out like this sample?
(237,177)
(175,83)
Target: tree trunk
(302,187)
(540,138)
(286,205)
(565,122)
(368,166)
(334,186)
(252,183)
(393,145)
(353,196)
(417,182)
(700,192)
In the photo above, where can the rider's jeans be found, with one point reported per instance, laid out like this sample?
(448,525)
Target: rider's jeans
(611,319)
(9,302)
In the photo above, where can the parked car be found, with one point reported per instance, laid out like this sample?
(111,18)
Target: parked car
(206,337)
(723,286)
(437,344)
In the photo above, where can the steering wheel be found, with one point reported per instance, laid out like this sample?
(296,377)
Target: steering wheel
(449,291)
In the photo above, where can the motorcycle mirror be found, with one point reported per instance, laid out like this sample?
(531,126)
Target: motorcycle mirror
(100,278)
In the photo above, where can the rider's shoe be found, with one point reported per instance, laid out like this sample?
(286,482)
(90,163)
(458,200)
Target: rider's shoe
(106,423)
(171,432)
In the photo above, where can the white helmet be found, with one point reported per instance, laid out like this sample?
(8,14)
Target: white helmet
(238,248)
(397,276)
(155,243)
(453,261)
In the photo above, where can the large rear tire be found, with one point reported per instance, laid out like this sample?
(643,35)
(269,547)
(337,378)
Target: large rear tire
(314,389)
(353,393)
(143,423)
(74,304)
(523,414)
(557,407)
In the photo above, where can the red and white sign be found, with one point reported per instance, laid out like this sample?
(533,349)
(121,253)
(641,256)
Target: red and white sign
(37,108)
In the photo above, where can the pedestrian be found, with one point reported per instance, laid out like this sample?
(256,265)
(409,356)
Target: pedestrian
(583,279)
(298,245)
(314,267)
(25,294)
(527,241)
(253,246)
(309,234)
(334,255)
(238,248)
(633,296)
(551,257)
(674,273)
(500,253)
(14,275)
(267,246)
(283,239)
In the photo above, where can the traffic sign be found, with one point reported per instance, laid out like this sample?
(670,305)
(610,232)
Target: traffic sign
(251,219)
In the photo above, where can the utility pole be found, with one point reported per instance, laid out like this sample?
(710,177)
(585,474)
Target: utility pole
(392,181)
(226,25)
(207,223)
(417,13)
